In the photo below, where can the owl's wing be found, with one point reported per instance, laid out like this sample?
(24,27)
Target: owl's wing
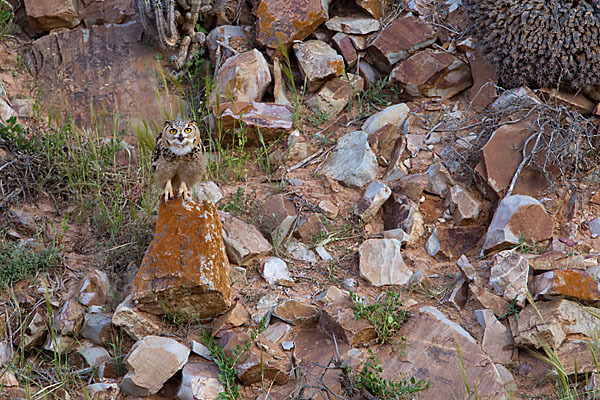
(157,151)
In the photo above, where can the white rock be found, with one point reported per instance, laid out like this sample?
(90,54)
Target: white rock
(395,115)
(381,262)
(275,270)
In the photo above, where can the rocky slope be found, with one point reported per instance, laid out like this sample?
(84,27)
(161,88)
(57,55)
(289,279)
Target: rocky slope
(363,160)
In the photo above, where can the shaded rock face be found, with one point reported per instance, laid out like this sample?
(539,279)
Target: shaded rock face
(103,65)
(185,268)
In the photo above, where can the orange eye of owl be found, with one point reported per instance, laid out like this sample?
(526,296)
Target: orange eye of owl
(172,131)
(187,130)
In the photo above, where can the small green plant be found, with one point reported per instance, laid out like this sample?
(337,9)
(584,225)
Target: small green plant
(245,205)
(22,260)
(385,317)
(526,248)
(371,378)
(320,118)
(513,309)
(116,351)
(227,365)
(286,68)
(6,17)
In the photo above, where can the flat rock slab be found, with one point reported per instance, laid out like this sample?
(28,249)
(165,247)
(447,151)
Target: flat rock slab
(106,66)
(283,21)
(352,162)
(404,36)
(272,120)
(394,115)
(431,354)
(242,241)
(52,14)
(297,313)
(338,319)
(199,380)
(185,268)
(502,155)
(151,362)
(353,25)
(430,73)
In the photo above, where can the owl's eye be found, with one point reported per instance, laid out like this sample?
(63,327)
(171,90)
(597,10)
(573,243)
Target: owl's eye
(172,131)
(187,130)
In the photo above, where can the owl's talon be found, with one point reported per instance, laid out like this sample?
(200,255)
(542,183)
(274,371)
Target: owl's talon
(184,191)
(168,192)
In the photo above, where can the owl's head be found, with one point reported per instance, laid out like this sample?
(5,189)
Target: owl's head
(180,135)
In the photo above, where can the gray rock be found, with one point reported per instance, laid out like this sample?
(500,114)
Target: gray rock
(207,191)
(89,355)
(352,162)
(464,207)
(232,36)
(433,244)
(97,326)
(103,391)
(280,217)
(466,268)
(325,256)
(277,332)
(201,350)
(440,181)
(299,251)
(397,234)
(381,262)
(594,226)
(264,307)
(376,193)
(151,361)
(237,276)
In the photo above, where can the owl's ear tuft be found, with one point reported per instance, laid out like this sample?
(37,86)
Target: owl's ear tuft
(193,123)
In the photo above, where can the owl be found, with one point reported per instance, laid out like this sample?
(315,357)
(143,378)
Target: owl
(178,161)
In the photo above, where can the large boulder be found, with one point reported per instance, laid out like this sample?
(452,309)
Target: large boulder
(185,268)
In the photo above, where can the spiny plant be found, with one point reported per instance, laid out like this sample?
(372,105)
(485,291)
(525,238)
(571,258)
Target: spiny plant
(385,317)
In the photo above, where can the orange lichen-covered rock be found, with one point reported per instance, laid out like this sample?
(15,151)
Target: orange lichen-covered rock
(570,283)
(185,268)
(284,21)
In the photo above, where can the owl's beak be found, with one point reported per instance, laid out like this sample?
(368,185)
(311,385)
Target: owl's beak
(180,138)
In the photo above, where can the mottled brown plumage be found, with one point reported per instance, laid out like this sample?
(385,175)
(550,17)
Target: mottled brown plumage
(178,161)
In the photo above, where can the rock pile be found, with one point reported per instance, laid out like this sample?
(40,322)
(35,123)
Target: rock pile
(518,260)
